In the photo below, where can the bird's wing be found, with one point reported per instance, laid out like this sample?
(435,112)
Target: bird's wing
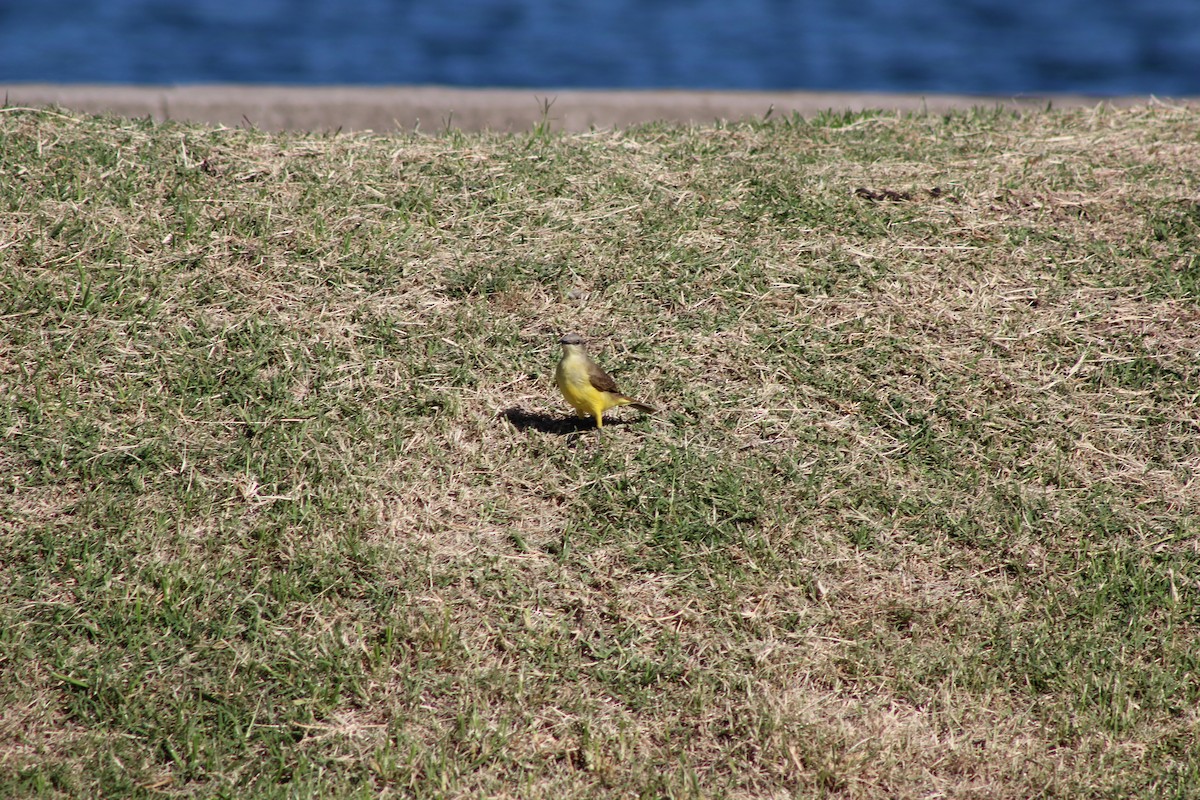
(601,380)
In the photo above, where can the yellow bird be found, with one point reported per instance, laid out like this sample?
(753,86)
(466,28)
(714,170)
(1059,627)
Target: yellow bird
(589,389)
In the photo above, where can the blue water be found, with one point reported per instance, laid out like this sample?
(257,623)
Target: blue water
(1100,47)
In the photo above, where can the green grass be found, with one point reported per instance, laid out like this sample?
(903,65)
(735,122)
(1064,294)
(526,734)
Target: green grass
(290,507)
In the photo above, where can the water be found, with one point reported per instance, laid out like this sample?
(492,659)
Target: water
(1101,47)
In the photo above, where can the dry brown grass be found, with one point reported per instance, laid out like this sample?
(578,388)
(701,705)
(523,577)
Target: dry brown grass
(291,507)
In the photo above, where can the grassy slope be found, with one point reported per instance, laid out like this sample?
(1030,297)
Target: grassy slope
(287,506)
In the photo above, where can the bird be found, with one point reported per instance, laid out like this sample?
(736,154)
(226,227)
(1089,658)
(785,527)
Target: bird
(589,389)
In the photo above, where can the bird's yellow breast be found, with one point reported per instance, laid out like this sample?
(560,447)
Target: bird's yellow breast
(575,385)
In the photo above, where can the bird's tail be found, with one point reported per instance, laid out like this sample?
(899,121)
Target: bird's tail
(645,409)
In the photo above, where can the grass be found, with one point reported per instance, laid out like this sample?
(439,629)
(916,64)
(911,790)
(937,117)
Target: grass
(289,505)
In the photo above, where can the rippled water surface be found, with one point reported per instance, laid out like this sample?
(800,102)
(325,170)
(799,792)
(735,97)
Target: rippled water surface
(986,46)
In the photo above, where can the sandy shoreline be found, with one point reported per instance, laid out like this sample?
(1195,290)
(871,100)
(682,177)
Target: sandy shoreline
(430,108)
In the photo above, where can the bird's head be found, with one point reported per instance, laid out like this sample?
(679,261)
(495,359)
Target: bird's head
(571,339)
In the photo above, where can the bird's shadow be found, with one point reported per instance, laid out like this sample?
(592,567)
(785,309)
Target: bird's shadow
(551,423)
(545,423)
